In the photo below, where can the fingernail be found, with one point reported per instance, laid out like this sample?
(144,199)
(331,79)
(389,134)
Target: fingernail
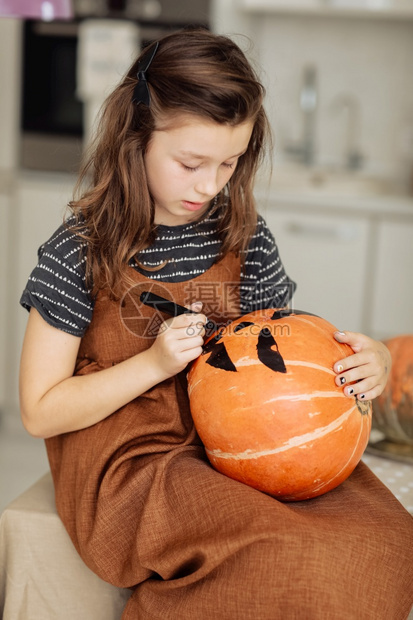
(340,368)
(350,391)
(341,333)
(342,380)
(361,396)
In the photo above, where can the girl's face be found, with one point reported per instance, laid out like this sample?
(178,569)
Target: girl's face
(188,163)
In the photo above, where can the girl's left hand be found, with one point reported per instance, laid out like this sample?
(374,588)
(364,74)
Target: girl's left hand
(364,374)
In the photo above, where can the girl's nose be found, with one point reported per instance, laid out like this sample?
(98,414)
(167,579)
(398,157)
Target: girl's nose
(207,185)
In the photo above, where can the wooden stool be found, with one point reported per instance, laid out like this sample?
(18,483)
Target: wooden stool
(42,576)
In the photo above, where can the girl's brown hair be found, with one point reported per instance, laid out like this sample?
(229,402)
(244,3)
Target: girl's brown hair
(193,72)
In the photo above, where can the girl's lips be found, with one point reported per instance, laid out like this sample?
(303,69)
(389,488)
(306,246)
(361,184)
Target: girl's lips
(193,206)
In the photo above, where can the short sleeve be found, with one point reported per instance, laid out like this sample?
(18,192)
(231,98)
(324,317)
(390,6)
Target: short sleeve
(57,285)
(264,282)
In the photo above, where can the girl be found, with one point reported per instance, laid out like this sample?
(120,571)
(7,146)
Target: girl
(170,209)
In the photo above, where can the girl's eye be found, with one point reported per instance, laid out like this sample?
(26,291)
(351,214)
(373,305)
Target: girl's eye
(195,168)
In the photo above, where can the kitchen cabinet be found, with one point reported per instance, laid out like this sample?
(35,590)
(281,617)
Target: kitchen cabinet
(392,298)
(327,256)
(41,200)
(39,203)
(352,258)
(4,227)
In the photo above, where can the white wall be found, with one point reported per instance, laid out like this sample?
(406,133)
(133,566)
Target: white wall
(370,60)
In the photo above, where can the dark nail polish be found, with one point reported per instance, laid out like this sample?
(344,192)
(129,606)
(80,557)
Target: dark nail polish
(342,380)
(362,396)
(350,391)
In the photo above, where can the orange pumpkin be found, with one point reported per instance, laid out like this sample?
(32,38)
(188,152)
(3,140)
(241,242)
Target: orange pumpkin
(393,409)
(265,405)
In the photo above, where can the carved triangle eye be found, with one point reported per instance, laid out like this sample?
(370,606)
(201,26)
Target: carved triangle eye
(219,358)
(211,344)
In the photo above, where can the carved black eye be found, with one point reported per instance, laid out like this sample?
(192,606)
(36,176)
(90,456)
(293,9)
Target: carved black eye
(211,344)
(219,358)
(266,354)
(242,325)
(283,312)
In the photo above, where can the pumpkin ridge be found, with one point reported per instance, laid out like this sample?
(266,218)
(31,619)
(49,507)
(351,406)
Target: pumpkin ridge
(307,396)
(302,319)
(248,361)
(330,371)
(294,442)
(345,466)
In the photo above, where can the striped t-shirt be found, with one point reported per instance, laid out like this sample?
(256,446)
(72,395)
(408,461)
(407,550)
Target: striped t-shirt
(57,285)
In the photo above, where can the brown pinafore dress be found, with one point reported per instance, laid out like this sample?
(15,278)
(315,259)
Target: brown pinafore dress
(145,509)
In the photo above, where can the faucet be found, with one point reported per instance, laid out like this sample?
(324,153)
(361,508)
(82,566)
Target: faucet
(304,151)
(350,105)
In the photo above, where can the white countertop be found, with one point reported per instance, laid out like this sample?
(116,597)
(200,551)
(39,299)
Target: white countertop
(335,189)
(334,201)
(370,205)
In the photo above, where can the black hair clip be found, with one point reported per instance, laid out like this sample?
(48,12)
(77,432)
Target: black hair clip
(141,92)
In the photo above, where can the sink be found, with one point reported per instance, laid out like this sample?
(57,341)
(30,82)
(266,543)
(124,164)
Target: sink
(330,182)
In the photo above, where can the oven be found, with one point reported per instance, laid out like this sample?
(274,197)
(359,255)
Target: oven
(52,113)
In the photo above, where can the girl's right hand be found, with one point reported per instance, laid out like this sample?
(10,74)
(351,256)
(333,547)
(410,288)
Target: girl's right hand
(179,341)
(48,385)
